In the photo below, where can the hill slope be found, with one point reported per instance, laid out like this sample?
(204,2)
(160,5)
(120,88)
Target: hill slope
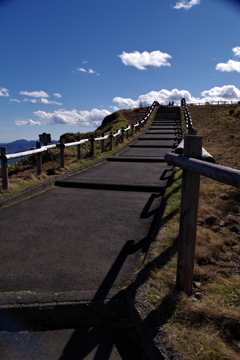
(204,326)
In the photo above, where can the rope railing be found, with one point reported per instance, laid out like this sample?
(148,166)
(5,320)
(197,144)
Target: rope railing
(191,131)
(41,149)
(214,102)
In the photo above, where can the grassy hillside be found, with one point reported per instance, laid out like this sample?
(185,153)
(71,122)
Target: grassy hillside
(22,175)
(205,326)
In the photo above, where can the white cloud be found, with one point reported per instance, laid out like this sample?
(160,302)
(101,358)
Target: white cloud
(125,103)
(57,95)
(236,50)
(231,65)
(162,96)
(4,92)
(73,117)
(31,100)
(81,69)
(141,60)
(46,101)
(186,4)
(89,71)
(35,93)
(15,100)
(27,122)
(114,108)
(224,93)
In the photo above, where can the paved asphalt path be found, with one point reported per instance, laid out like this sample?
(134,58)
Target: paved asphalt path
(83,239)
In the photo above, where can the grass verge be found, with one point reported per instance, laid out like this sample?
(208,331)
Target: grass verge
(205,326)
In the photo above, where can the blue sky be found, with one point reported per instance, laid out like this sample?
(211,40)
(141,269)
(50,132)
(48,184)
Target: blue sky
(65,65)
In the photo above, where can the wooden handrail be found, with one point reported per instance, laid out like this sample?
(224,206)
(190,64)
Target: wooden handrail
(5,157)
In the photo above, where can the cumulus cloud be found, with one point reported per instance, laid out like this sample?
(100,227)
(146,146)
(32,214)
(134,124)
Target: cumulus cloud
(15,100)
(141,60)
(162,96)
(231,65)
(224,93)
(57,95)
(68,117)
(186,4)
(36,94)
(4,92)
(236,50)
(27,122)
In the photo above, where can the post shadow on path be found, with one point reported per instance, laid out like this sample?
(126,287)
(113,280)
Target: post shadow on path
(105,340)
(85,339)
(126,348)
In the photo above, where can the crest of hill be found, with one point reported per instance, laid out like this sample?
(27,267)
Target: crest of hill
(111,122)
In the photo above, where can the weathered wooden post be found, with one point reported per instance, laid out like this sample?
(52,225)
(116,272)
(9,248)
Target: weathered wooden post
(92,144)
(39,159)
(102,143)
(116,138)
(127,133)
(122,135)
(62,146)
(132,129)
(110,140)
(4,168)
(78,148)
(188,215)
(136,128)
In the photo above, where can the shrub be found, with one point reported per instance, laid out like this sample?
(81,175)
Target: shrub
(237,112)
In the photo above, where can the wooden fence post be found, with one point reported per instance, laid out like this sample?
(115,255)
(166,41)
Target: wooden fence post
(136,128)
(116,138)
(102,141)
(110,140)
(39,159)
(92,144)
(4,168)
(132,128)
(79,148)
(122,139)
(188,215)
(62,146)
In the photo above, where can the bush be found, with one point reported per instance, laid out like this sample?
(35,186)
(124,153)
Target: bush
(237,112)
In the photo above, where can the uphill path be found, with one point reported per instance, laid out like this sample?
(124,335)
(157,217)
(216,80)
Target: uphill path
(68,254)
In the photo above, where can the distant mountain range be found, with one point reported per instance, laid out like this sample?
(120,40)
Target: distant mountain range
(19,146)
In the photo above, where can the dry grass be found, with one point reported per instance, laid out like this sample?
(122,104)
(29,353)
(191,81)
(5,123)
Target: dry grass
(205,326)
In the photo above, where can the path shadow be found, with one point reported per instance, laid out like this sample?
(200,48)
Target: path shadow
(146,212)
(99,341)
